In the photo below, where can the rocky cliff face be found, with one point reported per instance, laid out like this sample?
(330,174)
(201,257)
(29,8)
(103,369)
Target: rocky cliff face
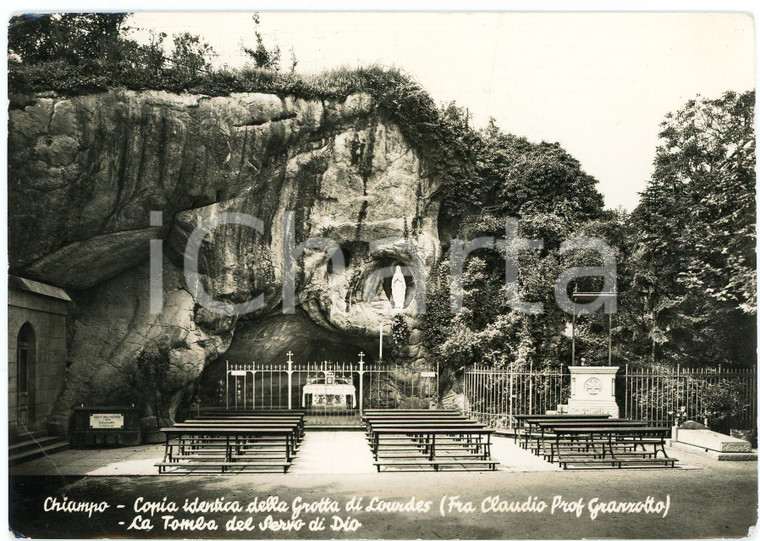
(85,173)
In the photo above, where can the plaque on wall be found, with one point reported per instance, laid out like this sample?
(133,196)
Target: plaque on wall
(106,420)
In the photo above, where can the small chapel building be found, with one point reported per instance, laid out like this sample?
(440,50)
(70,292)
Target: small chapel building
(37,319)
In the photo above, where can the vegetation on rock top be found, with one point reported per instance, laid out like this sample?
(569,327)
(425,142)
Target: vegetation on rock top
(75,54)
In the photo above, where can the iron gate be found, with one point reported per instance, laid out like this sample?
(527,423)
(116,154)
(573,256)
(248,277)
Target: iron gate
(330,393)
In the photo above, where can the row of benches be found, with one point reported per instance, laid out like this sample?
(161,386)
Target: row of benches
(434,439)
(230,442)
(592,440)
(233,441)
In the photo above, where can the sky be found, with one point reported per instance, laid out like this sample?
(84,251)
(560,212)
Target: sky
(598,83)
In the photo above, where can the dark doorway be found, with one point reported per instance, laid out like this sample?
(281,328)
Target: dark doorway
(26,351)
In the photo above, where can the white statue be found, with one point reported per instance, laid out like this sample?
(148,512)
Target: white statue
(398,288)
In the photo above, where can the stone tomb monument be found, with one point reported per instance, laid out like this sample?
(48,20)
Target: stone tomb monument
(592,390)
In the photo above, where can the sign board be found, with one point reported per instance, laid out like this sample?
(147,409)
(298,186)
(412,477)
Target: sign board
(238,372)
(427,374)
(106,420)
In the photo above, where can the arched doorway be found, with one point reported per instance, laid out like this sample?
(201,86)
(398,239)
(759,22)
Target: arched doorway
(26,356)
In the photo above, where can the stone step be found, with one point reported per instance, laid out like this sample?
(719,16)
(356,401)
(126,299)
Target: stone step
(37,451)
(30,444)
(736,456)
(714,441)
(29,436)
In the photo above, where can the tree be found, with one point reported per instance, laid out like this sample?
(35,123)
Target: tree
(71,37)
(523,178)
(293,60)
(553,197)
(488,330)
(191,56)
(711,148)
(264,58)
(695,246)
(151,56)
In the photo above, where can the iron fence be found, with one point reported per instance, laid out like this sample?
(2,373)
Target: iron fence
(330,393)
(495,395)
(723,399)
(336,393)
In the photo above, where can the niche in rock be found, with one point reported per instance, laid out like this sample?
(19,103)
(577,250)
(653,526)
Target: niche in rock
(388,266)
(339,269)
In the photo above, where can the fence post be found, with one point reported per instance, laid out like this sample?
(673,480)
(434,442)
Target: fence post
(511,395)
(465,377)
(253,388)
(227,385)
(437,384)
(290,380)
(361,383)
(679,381)
(625,392)
(530,390)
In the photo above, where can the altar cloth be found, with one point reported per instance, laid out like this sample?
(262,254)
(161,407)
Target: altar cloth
(321,393)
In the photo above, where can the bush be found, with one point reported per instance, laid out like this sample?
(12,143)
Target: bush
(723,399)
(691,398)
(152,367)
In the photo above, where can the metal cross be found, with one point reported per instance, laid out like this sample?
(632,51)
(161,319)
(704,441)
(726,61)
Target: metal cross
(361,356)
(290,355)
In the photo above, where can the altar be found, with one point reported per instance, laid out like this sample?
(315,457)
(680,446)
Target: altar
(329,391)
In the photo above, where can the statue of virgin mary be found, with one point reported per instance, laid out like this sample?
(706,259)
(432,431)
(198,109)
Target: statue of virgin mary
(398,289)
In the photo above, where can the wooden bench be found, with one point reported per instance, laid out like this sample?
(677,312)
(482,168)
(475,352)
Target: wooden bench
(222,446)
(433,445)
(414,410)
(413,414)
(544,430)
(251,421)
(250,413)
(223,467)
(410,415)
(613,446)
(418,422)
(290,421)
(438,463)
(401,417)
(297,429)
(523,421)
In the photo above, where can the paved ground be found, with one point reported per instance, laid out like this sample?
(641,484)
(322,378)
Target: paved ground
(329,452)
(706,498)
